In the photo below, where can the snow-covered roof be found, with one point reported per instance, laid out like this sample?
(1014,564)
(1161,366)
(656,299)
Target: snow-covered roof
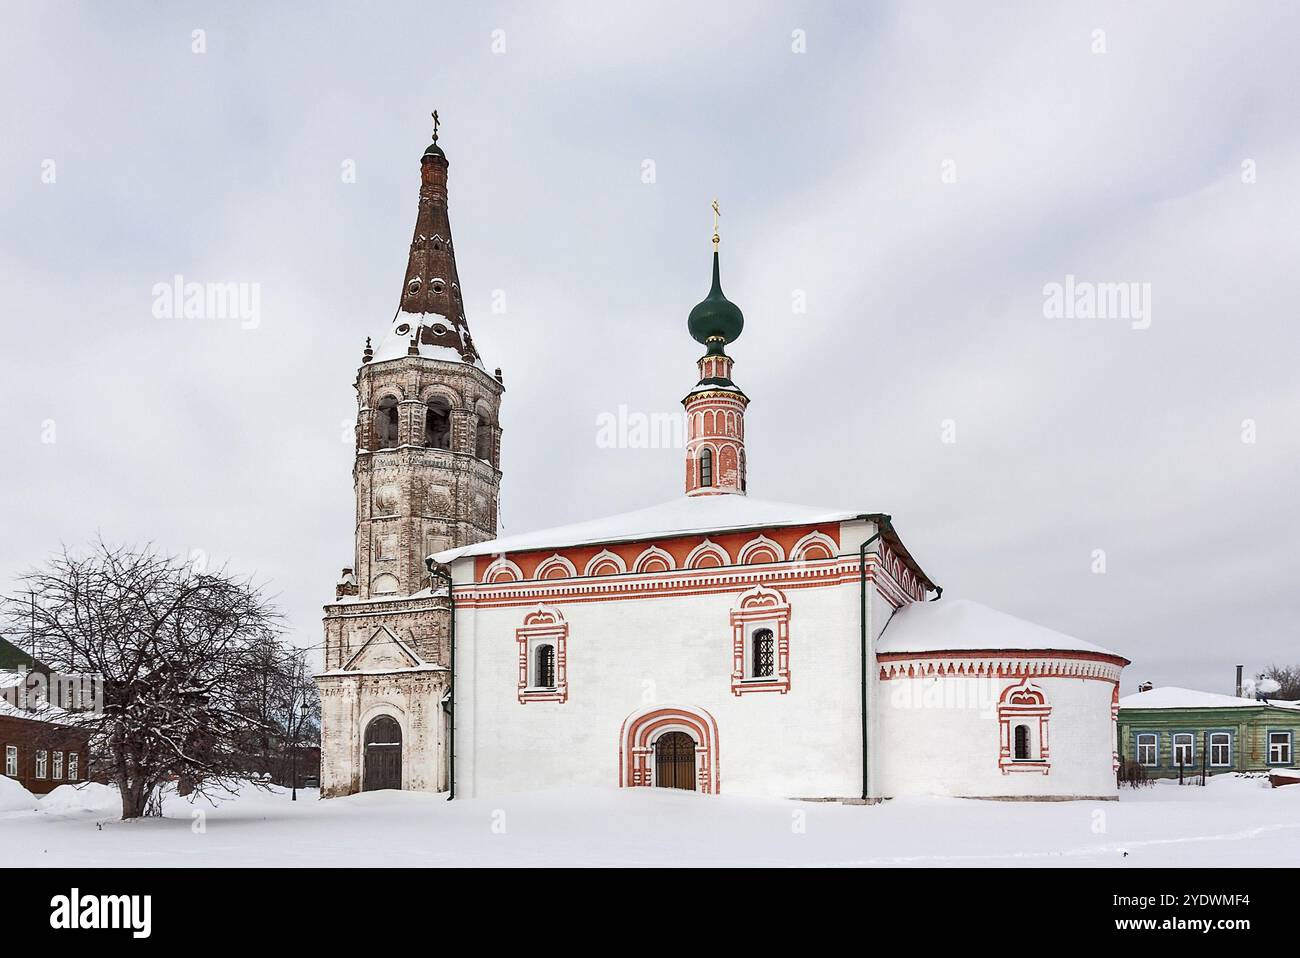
(960,625)
(1173,697)
(44,713)
(684,515)
(715,387)
(448,345)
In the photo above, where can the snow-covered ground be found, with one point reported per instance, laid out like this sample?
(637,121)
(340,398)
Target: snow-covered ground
(1231,822)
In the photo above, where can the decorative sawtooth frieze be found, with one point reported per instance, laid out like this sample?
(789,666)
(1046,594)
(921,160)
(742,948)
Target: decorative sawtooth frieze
(1081,665)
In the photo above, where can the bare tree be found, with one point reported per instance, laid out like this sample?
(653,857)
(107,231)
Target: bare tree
(286,703)
(177,650)
(1287,676)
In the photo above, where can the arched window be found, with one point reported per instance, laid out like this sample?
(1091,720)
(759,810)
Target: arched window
(544,667)
(386,423)
(742,470)
(706,467)
(437,424)
(763,654)
(1022,743)
(483,440)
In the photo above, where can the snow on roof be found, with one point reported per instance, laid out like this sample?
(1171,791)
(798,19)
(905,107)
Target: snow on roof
(1173,697)
(395,345)
(958,625)
(685,515)
(42,713)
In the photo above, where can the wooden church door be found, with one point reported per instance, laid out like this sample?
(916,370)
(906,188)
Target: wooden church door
(675,761)
(383,755)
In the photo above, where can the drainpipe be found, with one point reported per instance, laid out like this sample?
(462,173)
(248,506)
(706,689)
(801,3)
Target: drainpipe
(883,523)
(451,684)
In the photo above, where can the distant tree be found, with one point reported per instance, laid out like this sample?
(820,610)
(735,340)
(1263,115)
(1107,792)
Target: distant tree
(286,703)
(1287,676)
(179,652)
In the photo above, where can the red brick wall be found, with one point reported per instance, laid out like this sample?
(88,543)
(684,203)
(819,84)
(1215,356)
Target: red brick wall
(31,737)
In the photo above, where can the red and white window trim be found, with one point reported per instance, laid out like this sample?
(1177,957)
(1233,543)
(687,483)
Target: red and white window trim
(543,642)
(760,642)
(1023,715)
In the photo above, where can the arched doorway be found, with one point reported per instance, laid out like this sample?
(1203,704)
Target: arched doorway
(383,754)
(646,728)
(675,761)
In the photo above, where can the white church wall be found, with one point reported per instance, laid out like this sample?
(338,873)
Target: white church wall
(942,735)
(677,650)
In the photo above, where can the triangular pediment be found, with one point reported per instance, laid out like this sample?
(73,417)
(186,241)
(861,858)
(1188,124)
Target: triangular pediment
(383,652)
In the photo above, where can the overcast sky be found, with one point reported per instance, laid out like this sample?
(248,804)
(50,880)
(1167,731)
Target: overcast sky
(920,172)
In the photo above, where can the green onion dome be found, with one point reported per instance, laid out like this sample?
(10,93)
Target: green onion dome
(716,318)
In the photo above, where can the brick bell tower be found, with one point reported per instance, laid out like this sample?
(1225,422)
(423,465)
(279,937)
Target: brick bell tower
(715,408)
(426,478)
(427,474)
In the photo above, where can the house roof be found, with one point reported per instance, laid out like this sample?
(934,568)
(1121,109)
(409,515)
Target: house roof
(13,658)
(1173,697)
(685,515)
(960,625)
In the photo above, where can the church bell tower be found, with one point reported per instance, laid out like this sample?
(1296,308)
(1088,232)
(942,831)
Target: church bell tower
(427,471)
(426,477)
(715,408)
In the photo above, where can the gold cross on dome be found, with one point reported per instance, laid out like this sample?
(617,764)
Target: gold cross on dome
(435,126)
(716,213)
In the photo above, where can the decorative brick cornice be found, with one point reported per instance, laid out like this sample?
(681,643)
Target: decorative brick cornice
(656,585)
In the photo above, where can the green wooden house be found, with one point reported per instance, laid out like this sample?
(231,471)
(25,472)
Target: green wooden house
(1165,728)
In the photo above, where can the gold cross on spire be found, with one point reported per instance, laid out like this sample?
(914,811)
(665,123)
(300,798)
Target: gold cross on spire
(435,126)
(716,213)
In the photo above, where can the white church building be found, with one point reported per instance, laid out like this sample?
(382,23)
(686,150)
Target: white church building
(715,642)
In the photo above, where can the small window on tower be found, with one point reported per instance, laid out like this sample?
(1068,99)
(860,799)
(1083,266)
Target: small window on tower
(706,467)
(437,424)
(386,424)
(483,441)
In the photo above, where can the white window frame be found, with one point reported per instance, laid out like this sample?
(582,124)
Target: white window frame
(42,763)
(1190,745)
(1216,745)
(1154,745)
(57,774)
(74,763)
(11,761)
(1285,736)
